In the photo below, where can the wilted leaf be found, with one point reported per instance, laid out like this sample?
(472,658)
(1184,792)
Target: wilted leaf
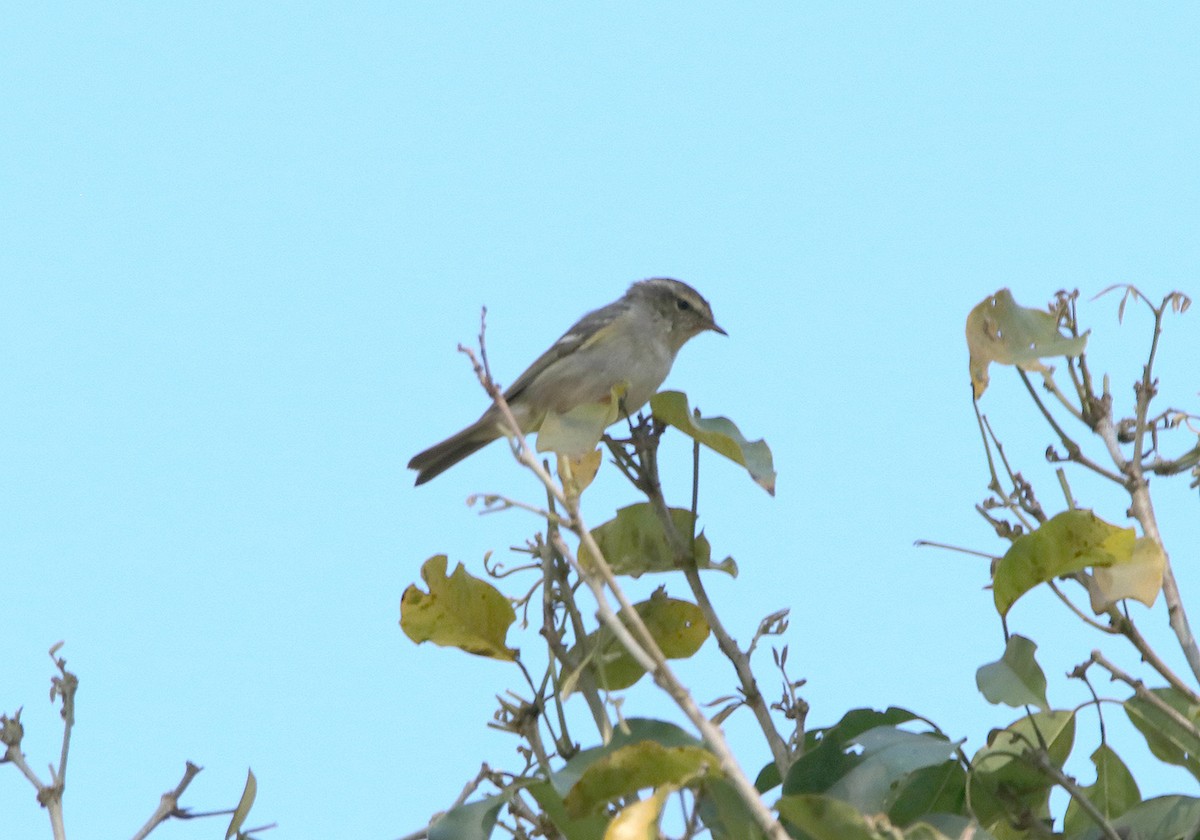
(634,543)
(1069,542)
(249,792)
(1114,792)
(998,330)
(473,821)
(1016,679)
(1139,577)
(645,764)
(459,611)
(639,821)
(1170,740)
(677,626)
(577,432)
(718,434)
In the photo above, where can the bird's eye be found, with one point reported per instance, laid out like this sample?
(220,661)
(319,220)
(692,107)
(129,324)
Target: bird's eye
(683,305)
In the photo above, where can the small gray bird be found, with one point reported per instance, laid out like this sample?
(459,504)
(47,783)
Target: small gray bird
(632,341)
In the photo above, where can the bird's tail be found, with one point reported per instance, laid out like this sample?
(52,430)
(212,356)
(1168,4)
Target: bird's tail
(442,456)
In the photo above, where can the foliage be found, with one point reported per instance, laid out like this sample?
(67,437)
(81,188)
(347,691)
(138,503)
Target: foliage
(874,773)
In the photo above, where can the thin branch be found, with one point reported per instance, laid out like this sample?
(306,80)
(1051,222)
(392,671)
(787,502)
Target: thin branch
(1041,760)
(644,649)
(685,559)
(168,805)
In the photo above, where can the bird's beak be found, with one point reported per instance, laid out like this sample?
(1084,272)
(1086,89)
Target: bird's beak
(716,328)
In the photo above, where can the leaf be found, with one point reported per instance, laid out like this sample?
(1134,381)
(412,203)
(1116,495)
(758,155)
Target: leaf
(1168,739)
(1068,542)
(724,812)
(249,792)
(577,432)
(998,330)
(930,790)
(459,611)
(1139,577)
(719,434)
(677,626)
(1161,818)
(473,821)
(1114,792)
(888,758)
(632,731)
(639,821)
(1016,679)
(634,543)
(825,759)
(590,827)
(1002,781)
(578,473)
(646,764)
(826,818)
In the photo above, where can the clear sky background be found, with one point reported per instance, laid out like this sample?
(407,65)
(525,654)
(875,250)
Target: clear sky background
(241,244)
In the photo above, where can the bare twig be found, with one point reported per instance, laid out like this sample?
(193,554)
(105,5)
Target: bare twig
(168,805)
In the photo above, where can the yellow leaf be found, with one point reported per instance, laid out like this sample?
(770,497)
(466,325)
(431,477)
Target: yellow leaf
(678,628)
(459,611)
(1139,577)
(577,473)
(998,330)
(1068,542)
(639,821)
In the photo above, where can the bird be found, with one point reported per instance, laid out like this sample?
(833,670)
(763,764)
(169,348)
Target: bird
(631,343)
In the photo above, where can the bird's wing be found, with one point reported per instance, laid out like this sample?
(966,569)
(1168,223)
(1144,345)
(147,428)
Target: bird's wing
(586,330)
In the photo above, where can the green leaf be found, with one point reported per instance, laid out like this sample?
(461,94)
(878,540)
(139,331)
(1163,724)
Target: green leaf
(724,812)
(825,758)
(956,826)
(719,434)
(1002,782)
(677,626)
(249,792)
(1169,740)
(1016,679)
(590,827)
(889,756)
(646,764)
(827,818)
(1161,818)
(929,791)
(998,330)
(459,611)
(1114,792)
(473,821)
(1069,542)
(632,731)
(634,543)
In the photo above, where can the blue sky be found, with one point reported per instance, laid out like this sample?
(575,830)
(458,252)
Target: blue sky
(242,245)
